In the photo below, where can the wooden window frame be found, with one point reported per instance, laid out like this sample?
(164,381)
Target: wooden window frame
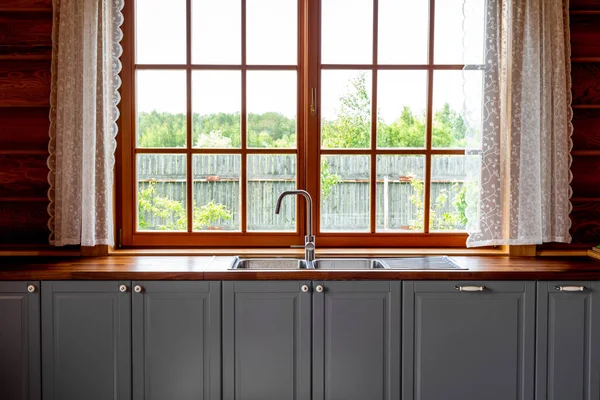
(308,151)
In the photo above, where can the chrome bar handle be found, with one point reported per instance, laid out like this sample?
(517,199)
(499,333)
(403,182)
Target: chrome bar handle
(470,288)
(569,288)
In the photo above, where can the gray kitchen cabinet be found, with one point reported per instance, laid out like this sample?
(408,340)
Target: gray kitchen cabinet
(266,340)
(267,352)
(356,340)
(468,345)
(568,341)
(176,340)
(20,377)
(86,340)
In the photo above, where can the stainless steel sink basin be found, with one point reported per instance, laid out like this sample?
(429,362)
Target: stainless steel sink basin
(348,263)
(269,263)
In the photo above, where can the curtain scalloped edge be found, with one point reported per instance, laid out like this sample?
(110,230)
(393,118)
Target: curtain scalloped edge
(569,83)
(116,51)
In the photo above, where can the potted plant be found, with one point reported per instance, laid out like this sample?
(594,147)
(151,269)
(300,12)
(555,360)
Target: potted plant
(207,216)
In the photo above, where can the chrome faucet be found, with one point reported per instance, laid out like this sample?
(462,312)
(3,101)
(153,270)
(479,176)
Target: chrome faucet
(309,239)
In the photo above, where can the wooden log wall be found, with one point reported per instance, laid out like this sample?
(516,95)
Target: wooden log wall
(585,74)
(25,54)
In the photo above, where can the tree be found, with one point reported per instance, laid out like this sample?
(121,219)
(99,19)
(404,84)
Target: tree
(407,131)
(449,128)
(161,129)
(352,128)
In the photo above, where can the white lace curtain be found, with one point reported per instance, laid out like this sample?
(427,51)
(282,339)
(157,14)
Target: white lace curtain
(84,97)
(518,189)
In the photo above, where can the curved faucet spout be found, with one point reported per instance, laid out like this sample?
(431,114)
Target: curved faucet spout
(309,239)
(309,231)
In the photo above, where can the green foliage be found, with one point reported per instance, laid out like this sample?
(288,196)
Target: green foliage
(449,128)
(228,126)
(438,219)
(161,129)
(209,214)
(352,128)
(270,130)
(214,139)
(161,207)
(328,180)
(174,211)
(407,131)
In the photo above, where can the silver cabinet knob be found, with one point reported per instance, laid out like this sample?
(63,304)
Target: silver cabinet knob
(31,288)
(319,288)
(123,288)
(137,289)
(304,288)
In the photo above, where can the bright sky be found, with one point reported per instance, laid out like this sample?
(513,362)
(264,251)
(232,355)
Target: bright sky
(347,30)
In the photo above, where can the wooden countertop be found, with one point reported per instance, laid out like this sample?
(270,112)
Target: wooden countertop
(216,268)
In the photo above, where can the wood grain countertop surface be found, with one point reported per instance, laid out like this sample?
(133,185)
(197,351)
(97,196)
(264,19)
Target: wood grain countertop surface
(217,268)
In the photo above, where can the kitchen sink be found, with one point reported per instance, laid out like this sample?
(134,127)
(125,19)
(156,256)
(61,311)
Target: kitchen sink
(269,263)
(422,263)
(406,263)
(348,263)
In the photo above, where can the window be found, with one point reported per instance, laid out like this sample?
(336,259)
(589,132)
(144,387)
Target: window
(228,103)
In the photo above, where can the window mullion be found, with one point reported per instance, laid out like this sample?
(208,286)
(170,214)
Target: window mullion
(243,128)
(373,177)
(429,128)
(189,136)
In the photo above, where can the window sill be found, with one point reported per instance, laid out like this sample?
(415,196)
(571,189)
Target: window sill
(299,252)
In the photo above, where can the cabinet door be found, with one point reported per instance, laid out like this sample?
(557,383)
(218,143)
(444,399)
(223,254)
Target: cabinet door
(468,345)
(356,340)
(266,340)
(568,341)
(176,340)
(20,341)
(86,341)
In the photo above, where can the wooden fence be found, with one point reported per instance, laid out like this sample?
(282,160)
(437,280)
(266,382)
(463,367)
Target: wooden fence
(345,208)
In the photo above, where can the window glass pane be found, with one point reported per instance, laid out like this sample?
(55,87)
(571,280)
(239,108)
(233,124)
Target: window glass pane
(268,176)
(216,31)
(217,192)
(160,32)
(216,103)
(161,195)
(400,192)
(347,31)
(272,32)
(448,193)
(345,193)
(161,108)
(346,109)
(456,107)
(455,22)
(402,19)
(402,109)
(272,104)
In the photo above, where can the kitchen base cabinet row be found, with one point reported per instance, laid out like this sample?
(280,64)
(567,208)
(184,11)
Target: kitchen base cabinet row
(301,340)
